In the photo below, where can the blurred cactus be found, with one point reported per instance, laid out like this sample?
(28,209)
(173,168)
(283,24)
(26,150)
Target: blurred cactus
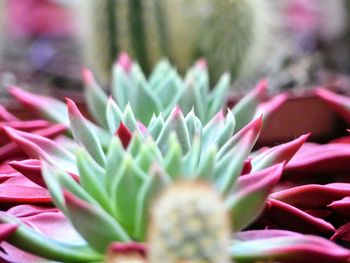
(233,35)
(189,223)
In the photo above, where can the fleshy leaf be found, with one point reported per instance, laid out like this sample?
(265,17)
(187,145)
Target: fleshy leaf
(339,103)
(124,134)
(38,147)
(278,154)
(313,196)
(248,200)
(98,237)
(84,134)
(244,110)
(276,213)
(113,115)
(128,180)
(5,115)
(6,230)
(95,97)
(52,109)
(151,188)
(32,241)
(285,246)
(175,123)
(92,178)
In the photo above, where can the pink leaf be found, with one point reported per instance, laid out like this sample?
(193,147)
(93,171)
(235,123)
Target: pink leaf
(124,134)
(341,207)
(285,246)
(319,159)
(284,216)
(5,115)
(312,196)
(342,233)
(6,230)
(339,103)
(278,154)
(125,62)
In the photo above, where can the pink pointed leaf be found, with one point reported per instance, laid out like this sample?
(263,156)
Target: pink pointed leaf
(47,107)
(124,134)
(125,62)
(19,189)
(341,207)
(281,215)
(319,159)
(5,115)
(339,103)
(312,196)
(37,147)
(285,246)
(342,234)
(269,107)
(278,154)
(6,230)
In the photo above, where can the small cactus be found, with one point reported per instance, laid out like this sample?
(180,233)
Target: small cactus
(189,223)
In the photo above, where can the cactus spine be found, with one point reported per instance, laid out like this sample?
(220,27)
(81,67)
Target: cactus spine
(189,224)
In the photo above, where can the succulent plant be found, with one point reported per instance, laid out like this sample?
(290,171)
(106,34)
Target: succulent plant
(110,180)
(111,199)
(159,94)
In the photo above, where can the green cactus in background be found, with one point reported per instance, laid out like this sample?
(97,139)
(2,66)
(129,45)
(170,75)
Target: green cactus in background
(232,35)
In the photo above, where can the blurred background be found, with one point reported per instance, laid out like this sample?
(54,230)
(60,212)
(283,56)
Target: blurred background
(295,43)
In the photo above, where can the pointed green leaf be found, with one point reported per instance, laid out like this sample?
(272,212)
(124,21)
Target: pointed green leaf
(151,188)
(172,160)
(92,178)
(95,97)
(100,229)
(244,110)
(175,123)
(113,115)
(124,192)
(84,134)
(30,240)
(114,161)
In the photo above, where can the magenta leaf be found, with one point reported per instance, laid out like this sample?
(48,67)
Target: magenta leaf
(5,115)
(30,168)
(267,108)
(52,109)
(319,159)
(6,230)
(285,246)
(124,134)
(342,234)
(19,189)
(339,103)
(39,147)
(278,154)
(281,215)
(312,196)
(341,207)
